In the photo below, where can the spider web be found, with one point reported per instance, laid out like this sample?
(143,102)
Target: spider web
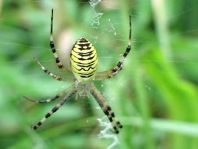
(105,132)
(96,15)
(112,29)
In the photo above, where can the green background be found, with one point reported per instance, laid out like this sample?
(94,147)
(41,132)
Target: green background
(155,96)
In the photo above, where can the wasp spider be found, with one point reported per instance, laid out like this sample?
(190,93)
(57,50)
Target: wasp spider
(83,63)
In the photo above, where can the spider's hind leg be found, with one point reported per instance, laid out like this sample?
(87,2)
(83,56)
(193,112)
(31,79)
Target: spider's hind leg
(116,125)
(52,45)
(114,71)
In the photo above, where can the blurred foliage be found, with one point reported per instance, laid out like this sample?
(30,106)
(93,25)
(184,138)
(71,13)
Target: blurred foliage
(155,96)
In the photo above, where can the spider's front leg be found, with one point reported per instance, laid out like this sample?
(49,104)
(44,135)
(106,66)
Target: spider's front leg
(47,100)
(112,72)
(70,92)
(106,108)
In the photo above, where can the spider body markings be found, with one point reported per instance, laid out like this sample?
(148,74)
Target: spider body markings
(83,60)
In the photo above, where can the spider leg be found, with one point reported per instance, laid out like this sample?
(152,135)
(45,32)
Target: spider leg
(48,72)
(52,45)
(71,92)
(112,72)
(106,109)
(47,100)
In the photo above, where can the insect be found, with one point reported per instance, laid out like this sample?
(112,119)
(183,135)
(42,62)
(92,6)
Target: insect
(83,63)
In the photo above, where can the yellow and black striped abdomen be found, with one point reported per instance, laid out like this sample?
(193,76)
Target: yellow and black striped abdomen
(84,60)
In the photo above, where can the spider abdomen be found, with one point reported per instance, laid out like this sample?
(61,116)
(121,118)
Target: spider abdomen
(83,58)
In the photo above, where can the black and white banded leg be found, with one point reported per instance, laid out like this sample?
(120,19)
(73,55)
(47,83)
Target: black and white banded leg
(52,45)
(55,108)
(114,71)
(48,72)
(116,125)
(47,100)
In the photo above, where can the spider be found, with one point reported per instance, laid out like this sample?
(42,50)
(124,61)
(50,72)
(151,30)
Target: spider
(83,63)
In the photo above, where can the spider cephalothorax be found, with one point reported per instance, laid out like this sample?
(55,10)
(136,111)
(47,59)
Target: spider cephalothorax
(83,59)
